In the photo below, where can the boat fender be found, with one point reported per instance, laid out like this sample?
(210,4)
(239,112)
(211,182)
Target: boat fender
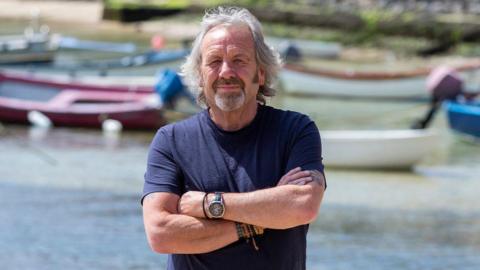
(112,125)
(168,85)
(157,42)
(39,119)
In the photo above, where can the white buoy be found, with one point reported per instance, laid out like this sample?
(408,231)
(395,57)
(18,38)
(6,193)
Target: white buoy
(111,125)
(39,119)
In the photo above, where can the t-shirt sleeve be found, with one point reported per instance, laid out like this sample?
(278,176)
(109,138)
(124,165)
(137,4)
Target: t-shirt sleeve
(162,174)
(306,147)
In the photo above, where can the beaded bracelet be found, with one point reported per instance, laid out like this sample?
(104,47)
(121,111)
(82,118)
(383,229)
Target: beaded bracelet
(247,231)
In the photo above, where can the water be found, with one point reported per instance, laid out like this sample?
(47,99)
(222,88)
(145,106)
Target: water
(70,199)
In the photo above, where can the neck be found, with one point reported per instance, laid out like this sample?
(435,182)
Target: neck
(233,120)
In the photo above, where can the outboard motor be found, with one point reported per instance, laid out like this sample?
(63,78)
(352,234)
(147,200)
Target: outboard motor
(443,83)
(168,86)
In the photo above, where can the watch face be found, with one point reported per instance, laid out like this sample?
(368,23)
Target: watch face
(216,209)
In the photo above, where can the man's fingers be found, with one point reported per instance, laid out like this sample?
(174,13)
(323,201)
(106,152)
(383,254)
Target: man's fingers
(286,179)
(292,171)
(301,181)
(299,175)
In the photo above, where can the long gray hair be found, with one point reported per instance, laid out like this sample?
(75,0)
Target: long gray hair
(267,58)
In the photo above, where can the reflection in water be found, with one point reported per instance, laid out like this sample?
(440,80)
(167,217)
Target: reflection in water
(111,139)
(37,134)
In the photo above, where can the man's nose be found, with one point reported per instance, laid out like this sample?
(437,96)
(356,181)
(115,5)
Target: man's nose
(226,70)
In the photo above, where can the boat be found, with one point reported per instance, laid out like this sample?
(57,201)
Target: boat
(377,149)
(66,42)
(110,83)
(41,48)
(82,104)
(298,79)
(79,108)
(307,48)
(137,60)
(464,117)
(32,47)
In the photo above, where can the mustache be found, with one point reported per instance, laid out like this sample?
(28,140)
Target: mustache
(230,81)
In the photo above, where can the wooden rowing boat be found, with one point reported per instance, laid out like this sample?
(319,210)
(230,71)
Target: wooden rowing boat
(297,79)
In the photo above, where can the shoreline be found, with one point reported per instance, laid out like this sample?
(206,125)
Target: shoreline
(85,13)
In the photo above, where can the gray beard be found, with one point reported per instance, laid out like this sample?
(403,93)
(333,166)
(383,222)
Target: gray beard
(230,102)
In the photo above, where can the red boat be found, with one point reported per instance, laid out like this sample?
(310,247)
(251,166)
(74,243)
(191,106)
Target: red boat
(91,83)
(78,104)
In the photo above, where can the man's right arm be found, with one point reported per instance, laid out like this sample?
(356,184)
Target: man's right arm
(170,232)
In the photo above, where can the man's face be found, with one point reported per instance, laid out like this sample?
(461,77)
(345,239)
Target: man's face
(230,76)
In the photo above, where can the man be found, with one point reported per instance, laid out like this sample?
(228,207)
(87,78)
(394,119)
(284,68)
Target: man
(235,186)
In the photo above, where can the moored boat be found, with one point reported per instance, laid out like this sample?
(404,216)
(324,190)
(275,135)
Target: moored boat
(307,48)
(77,103)
(110,83)
(79,108)
(464,117)
(28,48)
(377,149)
(297,79)
(136,60)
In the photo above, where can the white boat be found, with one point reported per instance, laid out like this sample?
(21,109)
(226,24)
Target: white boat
(296,79)
(29,48)
(377,149)
(321,49)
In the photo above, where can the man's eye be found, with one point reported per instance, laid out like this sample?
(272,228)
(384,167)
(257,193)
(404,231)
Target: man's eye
(214,62)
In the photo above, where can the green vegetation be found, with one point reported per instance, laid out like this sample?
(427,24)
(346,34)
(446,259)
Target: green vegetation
(134,4)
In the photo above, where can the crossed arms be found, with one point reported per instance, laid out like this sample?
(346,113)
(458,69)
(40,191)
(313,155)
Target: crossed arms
(177,224)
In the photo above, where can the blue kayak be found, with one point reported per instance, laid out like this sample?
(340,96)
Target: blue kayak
(464,118)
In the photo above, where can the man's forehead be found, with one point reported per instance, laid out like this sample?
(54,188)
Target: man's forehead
(228,34)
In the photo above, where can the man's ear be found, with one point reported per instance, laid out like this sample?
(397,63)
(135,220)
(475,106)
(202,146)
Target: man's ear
(261,77)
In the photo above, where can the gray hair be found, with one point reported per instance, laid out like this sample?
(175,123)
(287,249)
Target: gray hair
(267,58)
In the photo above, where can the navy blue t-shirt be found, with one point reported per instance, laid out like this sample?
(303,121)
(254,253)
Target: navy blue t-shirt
(195,154)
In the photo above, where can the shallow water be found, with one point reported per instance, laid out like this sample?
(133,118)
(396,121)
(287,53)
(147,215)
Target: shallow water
(70,198)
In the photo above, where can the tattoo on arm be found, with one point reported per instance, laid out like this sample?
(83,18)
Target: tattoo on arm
(318,177)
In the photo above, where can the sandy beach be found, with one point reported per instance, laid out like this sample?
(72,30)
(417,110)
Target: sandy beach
(89,14)
(67,11)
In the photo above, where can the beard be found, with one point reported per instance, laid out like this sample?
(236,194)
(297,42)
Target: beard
(229,101)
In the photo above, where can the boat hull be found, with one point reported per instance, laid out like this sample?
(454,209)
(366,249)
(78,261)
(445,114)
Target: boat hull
(464,118)
(377,149)
(79,105)
(297,79)
(303,84)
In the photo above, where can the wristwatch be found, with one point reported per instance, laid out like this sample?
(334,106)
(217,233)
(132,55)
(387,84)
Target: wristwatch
(216,208)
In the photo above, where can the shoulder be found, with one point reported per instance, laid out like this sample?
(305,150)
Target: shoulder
(287,119)
(185,127)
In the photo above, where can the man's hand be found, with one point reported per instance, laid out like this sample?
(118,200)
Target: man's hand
(191,204)
(296,177)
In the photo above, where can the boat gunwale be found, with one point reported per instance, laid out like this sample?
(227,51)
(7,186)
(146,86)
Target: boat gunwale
(367,75)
